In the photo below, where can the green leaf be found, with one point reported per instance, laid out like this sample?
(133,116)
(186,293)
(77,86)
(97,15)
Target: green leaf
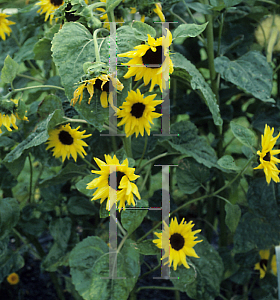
(103,212)
(227,162)
(142,30)
(16,166)
(187,71)
(9,215)
(81,206)
(191,175)
(188,30)
(202,280)
(71,170)
(250,72)
(26,50)
(233,215)
(188,142)
(42,49)
(49,105)
(89,265)
(37,137)
(73,46)
(112,4)
(147,247)
(132,218)
(243,134)
(55,258)
(82,184)
(9,70)
(60,229)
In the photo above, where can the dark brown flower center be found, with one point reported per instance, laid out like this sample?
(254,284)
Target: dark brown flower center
(177,241)
(56,2)
(137,110)
(267,157)
(153,58)
(263,264)
(98,84)
(65,138)
(119,178)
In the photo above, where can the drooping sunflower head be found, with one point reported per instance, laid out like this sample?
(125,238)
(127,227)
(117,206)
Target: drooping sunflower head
(49,7)
(13,279)
(5,25)
(262,264)
(124,189)
(101,83)
(137,113)
(9,114)
(181,242)
(151,61)
(267,161)
(66,141)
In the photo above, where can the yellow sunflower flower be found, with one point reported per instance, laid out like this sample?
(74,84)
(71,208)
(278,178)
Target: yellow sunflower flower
(104,18)
(144,59)
(125,187)
(101,83)
(181,242)
(158,11)
(13,279)
(4,25)
(49,7)
(267,160)
(67,141)
(137,113)
(9,119)
(262,265)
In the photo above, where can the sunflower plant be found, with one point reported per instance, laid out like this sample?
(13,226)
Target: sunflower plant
(139,149)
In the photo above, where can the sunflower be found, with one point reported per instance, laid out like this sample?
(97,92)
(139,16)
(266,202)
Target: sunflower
(144,59)
(49,7)
(102,83)
(181,242)
(124,176)
(13,279)
(4,25)
(158,11)
(104,18)
(67,141)
(262,265)
(267,160)
(137,113)
(9,117)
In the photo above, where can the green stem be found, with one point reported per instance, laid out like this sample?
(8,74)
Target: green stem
(127,146)
(177,295)
(149,272)
(56,286)
(114,143)
(153,287)
(111,16)
(37,87)
(96,49)
(200,198)
(26,243)
(144,150)
(30,77)
(210,52)
(87,162)
(121,228)
(220,34)
(138,85)
(31,176)
(145,179)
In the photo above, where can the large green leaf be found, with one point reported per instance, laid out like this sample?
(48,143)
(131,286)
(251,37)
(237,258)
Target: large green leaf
(132,218)
(191,175)
(233,214)
(9,215)
(60,229)
(250,72)
(202,280)
(188,142)
(142,30)
(187,71)
(78,205)
(243,134)
(227,162)
(89,265)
